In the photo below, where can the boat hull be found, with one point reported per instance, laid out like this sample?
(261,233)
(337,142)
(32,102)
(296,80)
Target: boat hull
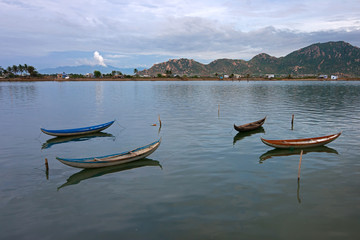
(77,131)
(250,126)
(112,160)
(301,143)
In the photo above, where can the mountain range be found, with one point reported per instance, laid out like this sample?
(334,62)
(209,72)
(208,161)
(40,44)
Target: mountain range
(338,58)
(84,69)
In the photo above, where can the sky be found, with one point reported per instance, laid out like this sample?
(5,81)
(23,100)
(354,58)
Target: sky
(140,33)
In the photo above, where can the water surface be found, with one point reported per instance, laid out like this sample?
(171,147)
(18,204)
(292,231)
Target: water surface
(204,182)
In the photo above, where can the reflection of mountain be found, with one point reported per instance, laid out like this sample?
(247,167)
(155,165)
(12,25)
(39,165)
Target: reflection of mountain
(57,140)
(289,152)
(242,135)
(96,172)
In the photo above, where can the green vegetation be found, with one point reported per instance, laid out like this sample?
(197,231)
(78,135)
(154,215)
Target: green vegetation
(97,74)
(18,71)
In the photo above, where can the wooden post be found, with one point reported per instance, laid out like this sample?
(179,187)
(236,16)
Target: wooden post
(301,153)
(292,122)
(159,121)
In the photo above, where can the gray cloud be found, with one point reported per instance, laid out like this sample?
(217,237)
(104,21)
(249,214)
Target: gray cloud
(202,30)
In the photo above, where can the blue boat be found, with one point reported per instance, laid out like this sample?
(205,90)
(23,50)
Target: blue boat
(113,159)
(77,131)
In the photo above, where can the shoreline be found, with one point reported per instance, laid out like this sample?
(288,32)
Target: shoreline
(52,79)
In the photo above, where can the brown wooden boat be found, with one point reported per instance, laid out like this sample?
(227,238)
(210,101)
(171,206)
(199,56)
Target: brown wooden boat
(249,126)
(301,143)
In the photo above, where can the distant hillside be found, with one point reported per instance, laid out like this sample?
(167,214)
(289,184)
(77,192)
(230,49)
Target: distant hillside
(338,58)
(331,58)
(84,69)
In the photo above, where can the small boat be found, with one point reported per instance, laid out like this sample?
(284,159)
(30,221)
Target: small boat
(113,159)
(77,131)
(250,126)
(301,143)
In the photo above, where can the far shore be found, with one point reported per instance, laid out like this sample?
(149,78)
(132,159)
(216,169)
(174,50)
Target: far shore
(49,79)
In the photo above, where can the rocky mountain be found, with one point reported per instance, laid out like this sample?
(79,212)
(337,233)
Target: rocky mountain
(338,58)
(333,58)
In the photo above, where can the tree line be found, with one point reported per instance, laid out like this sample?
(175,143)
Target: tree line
(18,70)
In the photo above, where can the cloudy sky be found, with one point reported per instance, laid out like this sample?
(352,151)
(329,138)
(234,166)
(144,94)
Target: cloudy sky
(139,33)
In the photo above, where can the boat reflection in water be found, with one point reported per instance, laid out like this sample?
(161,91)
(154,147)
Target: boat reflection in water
(97,172)
(56,140)
(288,152)
(241,135)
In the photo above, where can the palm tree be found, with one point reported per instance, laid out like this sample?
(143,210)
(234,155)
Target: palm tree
(26,68)
(15,69)
(21,69)
(31,70)
(9,69)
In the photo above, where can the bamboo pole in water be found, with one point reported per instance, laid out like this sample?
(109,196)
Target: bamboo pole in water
(159,121)
(301,153)
(292,122)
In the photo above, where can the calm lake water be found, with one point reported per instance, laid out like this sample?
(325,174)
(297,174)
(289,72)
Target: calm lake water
(204,181)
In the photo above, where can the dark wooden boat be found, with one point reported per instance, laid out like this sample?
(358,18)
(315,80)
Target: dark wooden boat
(113,159)
(301,143)
(249,126)
(77,131)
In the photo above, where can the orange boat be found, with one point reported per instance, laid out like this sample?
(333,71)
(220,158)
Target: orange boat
(301,143)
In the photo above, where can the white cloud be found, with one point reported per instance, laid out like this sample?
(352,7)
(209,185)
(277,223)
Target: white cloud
(99,59)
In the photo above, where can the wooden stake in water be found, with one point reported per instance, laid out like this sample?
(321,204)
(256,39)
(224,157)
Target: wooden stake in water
(301,153)
(292,122)
(159,121)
